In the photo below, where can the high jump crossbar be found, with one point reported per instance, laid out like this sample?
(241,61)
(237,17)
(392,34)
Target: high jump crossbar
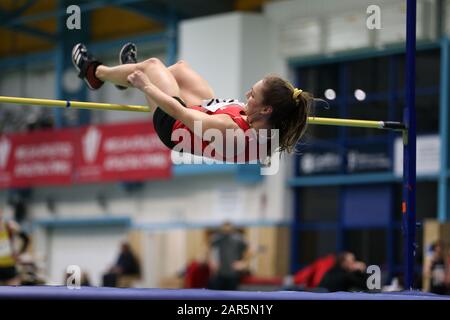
(389,125)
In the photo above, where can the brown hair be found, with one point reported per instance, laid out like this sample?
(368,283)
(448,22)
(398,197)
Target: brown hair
(289,112)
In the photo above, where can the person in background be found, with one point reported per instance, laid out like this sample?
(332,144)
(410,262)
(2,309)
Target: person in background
(348,274)
(10,231)
(436,270)
(229,259)
(125,269)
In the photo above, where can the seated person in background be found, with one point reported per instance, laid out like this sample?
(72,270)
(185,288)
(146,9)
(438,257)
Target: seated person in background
(10,231)
(347,274)
(124,271)
(436,271)
(310,276)
(229,258)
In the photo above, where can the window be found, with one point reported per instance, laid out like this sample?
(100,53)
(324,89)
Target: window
(328,217)
(318,79)
(369,75)
(319,204)
(427,66)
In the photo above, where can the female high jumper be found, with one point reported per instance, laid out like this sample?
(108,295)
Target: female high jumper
(181,99)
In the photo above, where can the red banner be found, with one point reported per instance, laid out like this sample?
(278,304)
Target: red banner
(118,152)
(36,158)
(126,152)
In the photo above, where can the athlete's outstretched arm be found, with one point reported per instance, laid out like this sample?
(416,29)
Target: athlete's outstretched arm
(173,108)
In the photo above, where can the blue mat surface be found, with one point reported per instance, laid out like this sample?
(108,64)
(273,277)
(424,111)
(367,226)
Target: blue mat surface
(94,293)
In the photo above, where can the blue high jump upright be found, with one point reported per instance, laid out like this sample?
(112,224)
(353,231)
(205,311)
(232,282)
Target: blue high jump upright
(409,150)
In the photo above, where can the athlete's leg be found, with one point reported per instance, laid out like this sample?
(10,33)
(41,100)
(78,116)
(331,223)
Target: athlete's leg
(188,84)
(156,71)
(177,80)
(193,87)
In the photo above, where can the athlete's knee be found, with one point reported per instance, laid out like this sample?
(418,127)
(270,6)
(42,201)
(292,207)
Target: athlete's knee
(179,66)
(152,62)
(182,64)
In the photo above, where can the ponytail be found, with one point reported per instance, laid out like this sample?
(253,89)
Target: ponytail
(290,110)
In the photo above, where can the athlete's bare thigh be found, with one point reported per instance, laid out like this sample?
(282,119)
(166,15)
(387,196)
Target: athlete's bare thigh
(193,87)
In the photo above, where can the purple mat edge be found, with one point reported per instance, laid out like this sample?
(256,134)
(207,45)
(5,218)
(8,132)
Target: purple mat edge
(97,293)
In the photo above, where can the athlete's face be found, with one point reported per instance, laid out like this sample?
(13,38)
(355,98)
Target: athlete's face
(255,106)
(255,95)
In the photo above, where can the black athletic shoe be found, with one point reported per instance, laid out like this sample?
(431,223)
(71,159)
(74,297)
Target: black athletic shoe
(86,65)
(128,54)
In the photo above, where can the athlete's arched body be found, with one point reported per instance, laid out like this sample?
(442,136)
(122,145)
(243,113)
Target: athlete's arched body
(181,99)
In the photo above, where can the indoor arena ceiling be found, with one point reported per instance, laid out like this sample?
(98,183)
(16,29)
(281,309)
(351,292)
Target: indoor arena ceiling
(31,25)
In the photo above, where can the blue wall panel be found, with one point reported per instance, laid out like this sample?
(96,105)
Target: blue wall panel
(366,206)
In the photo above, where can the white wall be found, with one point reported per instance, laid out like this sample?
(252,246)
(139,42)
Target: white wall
(93,249)
(255,55)
(213,47)
(198,199)
(325,27)
(231,51)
